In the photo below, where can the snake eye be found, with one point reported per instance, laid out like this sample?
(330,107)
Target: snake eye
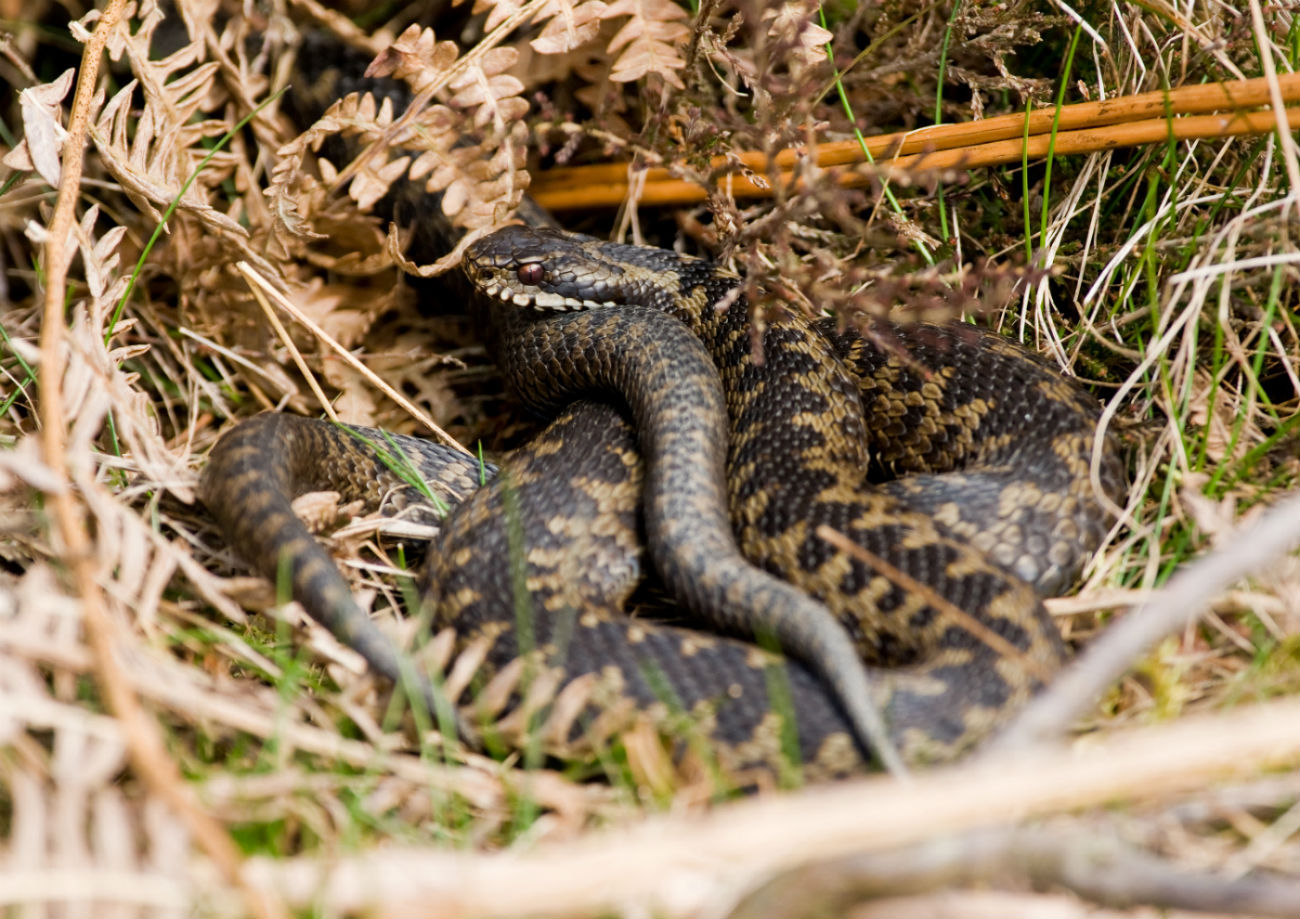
(532,273)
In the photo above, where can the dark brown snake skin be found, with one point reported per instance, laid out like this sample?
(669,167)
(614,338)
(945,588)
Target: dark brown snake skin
(993,448)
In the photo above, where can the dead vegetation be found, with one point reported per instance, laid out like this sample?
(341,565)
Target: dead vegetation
(164,751)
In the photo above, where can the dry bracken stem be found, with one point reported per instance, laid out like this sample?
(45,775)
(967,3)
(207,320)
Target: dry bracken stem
(283,334)
(1087,127)
(344,27)
(1184,598)
(732,849)
(1186,100)
(586,194)
(148,754)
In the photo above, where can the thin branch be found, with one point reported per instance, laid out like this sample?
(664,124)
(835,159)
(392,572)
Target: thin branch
(1187,595)
(679,865)
(1097,867)
(148,753)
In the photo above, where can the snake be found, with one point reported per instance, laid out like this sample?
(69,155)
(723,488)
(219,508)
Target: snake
(976,519)
(674,393)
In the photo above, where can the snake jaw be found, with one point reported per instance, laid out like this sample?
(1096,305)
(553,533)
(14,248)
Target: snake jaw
(540,300)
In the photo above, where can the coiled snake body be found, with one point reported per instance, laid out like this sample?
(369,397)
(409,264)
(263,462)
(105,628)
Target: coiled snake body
(993,446)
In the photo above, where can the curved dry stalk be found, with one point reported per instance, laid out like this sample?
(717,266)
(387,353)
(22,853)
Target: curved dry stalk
(698,866)
(149,755)
(1184,598)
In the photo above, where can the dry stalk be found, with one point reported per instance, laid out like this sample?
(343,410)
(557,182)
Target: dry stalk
(266,291)
(699,866)
(148,753)
(1094,862)
(1185,597)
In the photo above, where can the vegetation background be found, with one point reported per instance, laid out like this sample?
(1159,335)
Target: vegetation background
(162,750)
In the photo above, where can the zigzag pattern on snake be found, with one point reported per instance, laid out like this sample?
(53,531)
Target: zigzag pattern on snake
(820,409)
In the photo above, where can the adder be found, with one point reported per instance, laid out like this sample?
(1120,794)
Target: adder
(822,408)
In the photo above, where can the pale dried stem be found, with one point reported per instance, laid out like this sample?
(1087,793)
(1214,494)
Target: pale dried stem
(696,866)
(260,293)
(345,28)
(148,753)
(259,283)
(1187,594)
(1276,99)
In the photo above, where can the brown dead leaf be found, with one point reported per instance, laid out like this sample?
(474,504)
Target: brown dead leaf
(41,148)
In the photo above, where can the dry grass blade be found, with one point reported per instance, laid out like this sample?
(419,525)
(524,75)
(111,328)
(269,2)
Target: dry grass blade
(149,754)
(268,291)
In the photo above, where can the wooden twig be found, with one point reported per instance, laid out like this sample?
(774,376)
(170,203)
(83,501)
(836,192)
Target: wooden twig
(1186,596)
(1098,867)
(678,865)
(1088,127)
(145,746)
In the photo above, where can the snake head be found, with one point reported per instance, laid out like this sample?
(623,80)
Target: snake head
(552,270)
(540,269)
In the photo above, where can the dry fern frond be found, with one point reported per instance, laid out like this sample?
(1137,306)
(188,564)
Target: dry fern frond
(468,148)
(500,11)
(650,40)
(791,26)
(43,131)
(570,26)
(152,154)
(96,381)
(69,810)
(154,151)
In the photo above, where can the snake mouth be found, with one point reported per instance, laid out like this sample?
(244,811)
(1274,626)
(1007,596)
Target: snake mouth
(500,284)
(540,300)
